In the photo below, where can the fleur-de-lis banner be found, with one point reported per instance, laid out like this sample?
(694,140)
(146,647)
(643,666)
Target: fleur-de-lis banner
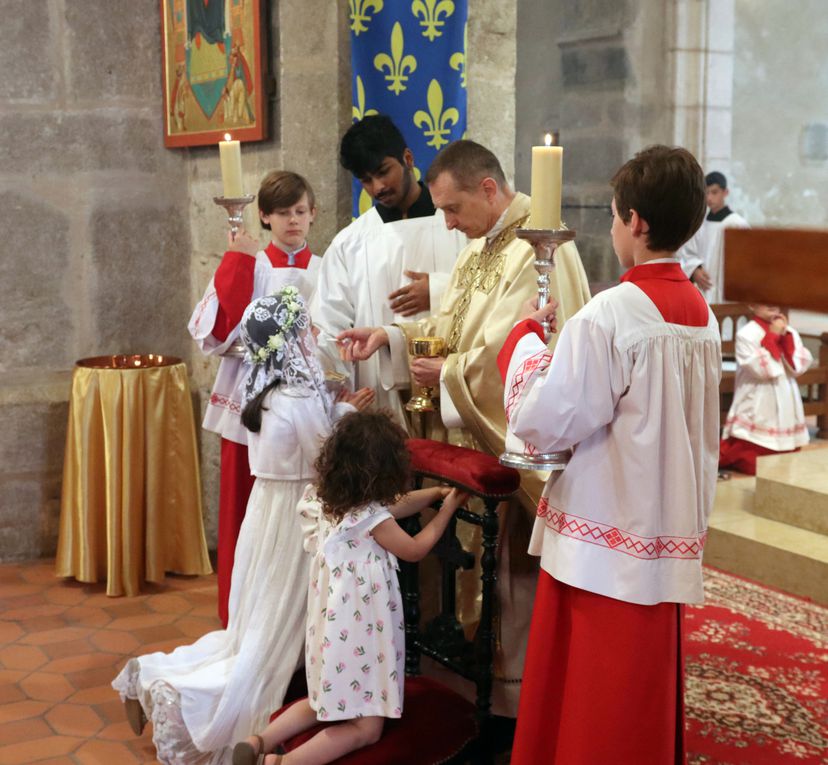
(408,60)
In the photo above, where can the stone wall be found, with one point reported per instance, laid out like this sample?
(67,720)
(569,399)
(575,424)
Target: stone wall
(96,242)
(594,71)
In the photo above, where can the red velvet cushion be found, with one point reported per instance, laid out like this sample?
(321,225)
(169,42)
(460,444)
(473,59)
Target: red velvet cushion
(436,724)
(474,471)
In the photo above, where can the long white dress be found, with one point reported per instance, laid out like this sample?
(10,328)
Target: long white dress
(204,697)
(355,644)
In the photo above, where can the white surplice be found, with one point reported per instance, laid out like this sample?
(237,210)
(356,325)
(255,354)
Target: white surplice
(767,405)
(637,397)
(204,697)
(714,247)
(363,265)
(223,414)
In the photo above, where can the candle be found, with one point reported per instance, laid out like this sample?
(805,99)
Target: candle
(546,185)
(231,171)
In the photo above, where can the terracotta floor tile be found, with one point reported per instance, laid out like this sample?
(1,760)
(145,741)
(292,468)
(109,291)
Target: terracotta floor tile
(89,678)
(15,589)
(123,607)
(111,711)
(170,604)
(64,634)
(86,616)
(69,593)
(156,634)
(118,731)
(142,747)
(12,675)
(71,648)
(165,646)
(95,695)
(22,657)
(20,710)
(9,632)
(38,750)
(33,611)
(208,609)
(9,693)
(74,720)
(196,626)
(132,623)
(81,662)
(44,686)
(42,623)
(41,572)
(115,641)
(57,761)
(23,730)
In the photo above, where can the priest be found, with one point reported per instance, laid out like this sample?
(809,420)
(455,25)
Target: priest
(393,262)
(492,279)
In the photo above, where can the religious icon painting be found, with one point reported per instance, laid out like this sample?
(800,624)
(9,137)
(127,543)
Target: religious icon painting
(214,71)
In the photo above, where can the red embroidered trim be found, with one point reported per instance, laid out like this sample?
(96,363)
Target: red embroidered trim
(800,427)
(603,535)
(539,362)
(202,305)
(216,399)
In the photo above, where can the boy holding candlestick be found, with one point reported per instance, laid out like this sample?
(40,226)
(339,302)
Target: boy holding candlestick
(286,209)
(633,387)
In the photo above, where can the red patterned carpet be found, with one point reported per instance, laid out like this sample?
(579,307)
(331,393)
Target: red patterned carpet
(756,676)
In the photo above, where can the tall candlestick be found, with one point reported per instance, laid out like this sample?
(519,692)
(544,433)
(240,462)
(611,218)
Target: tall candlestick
(546,186)
(231,169)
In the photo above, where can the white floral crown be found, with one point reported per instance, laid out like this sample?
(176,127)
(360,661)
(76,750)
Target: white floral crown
(276,342)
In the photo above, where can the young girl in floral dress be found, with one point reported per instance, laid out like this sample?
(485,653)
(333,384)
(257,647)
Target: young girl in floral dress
(355,639)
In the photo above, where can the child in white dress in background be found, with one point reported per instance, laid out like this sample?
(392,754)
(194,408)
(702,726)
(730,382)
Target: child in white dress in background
(355,641)
(767,416)
(203,697)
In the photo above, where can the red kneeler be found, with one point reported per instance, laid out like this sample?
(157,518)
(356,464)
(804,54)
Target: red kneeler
(438,725)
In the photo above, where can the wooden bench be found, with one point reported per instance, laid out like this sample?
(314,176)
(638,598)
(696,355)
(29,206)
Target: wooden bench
(813,384)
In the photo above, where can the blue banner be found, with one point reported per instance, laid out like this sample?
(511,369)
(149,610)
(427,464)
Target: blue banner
(408,60)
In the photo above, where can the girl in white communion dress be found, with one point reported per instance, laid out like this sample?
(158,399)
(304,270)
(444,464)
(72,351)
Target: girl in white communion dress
(202,697)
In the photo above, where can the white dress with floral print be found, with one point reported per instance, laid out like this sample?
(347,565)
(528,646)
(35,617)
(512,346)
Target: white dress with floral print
(355,641)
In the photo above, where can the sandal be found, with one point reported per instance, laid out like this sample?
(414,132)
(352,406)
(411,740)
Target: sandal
(244,754)
(135,715)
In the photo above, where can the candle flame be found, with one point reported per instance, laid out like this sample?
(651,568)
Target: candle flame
(547,139)
(228,137)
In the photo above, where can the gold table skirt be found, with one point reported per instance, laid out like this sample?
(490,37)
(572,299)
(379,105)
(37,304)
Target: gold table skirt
(130,505)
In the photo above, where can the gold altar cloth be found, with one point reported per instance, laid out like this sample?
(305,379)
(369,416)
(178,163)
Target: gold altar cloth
(130,505)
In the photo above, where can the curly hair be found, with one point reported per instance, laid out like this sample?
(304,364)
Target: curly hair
(364,460)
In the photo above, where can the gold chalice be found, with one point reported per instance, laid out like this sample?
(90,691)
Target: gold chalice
(425,348)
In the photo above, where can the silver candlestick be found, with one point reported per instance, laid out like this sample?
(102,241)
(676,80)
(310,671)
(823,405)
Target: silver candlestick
(235,209)
(544,241)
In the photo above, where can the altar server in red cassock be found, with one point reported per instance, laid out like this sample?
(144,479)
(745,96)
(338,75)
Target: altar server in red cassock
(632,388)
(286,208)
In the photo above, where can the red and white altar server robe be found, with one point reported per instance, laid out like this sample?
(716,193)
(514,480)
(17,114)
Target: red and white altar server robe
(214,325)
(767,405)
(633,387)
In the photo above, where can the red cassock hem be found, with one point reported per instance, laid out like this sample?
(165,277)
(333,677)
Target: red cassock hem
(602,683)
(234,490)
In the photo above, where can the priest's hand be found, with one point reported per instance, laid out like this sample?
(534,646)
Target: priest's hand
(414,297)
(701,278)
(360,399)
(360,343)
(531,311)
(426,371)
(241,241)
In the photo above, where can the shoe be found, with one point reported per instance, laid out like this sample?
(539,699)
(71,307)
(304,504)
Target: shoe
(135,716)
(244,754)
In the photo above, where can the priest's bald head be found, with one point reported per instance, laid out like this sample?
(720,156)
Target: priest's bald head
(467,183)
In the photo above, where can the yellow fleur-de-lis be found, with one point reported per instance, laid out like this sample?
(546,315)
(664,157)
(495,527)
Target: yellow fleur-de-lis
(358,109)
(458,60)
(437,120)
(431,11)
(365,201)
(361,13)
(399,65)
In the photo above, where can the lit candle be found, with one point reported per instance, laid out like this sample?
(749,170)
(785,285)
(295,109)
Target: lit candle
(546,185)
(231,170)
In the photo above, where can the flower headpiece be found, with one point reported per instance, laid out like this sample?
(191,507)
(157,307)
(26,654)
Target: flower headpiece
(275,330)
